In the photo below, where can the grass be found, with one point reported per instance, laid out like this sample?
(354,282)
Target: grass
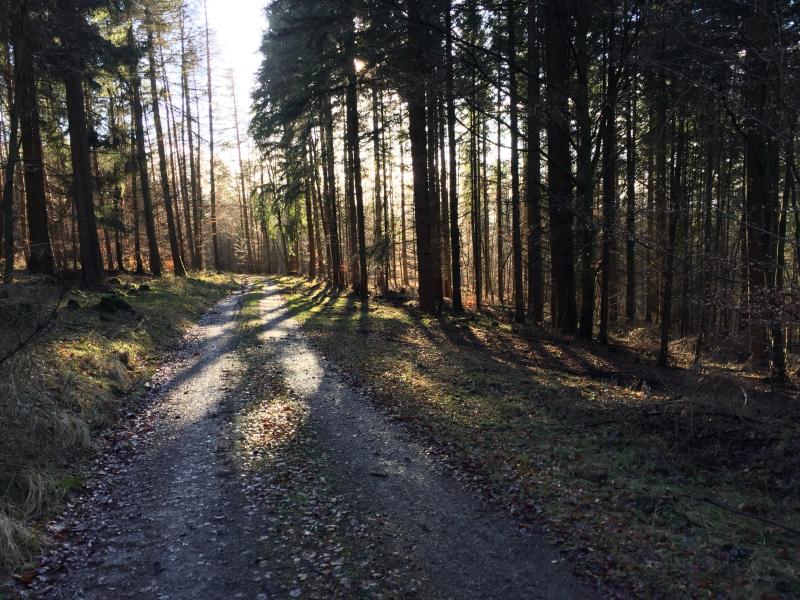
(653,480)
(73,379)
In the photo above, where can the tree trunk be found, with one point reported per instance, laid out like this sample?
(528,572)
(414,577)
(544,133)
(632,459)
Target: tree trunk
(444,204)
(778,328)
(137,239)
(355,154)
(172,137)
(91,260)
(242,187)
(8,183)
(488,280)
(585,175)
(533,175)
(455,235)
(187,212)
(559,171)
(322,195)
(760,170)
(378,241)
(516,227)
(475,209)
(333,220)
(434,193)
(141,161)
(41,252)
(630,210)
(177,260)
(609,181)
(213,189)
(669,260)
(191,211)
(501,280)
(403,238)
(426,218)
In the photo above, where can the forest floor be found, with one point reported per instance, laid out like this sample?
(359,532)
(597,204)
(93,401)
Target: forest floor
(663,482)
(254,469)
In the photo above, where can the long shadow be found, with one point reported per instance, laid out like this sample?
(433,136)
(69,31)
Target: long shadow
(464,354)
(172,490)
(200,347)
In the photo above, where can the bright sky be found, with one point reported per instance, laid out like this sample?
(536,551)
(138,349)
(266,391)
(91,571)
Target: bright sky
(236,29)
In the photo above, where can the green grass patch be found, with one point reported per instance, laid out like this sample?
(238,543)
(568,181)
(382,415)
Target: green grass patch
(576,438)
(73,378)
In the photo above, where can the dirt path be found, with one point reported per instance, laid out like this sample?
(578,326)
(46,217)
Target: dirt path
(171,516)
(160,522)
(470,551)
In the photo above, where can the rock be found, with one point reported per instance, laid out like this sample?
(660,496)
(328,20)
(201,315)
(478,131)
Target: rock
(112,304)
(114,281)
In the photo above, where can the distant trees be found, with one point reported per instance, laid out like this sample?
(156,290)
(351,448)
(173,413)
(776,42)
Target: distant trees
(649,143)
(89,153)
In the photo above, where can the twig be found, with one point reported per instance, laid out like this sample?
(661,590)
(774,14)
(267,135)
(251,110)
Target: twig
(41,326)
(743,514)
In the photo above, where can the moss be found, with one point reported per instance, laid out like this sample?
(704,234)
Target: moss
(70,483)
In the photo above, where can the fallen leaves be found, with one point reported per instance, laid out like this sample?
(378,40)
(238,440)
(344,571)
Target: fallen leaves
(313,544)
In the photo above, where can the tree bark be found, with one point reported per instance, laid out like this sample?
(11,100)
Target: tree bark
(177,260)
(141,161)
(533,175)
(41,258)
(426,218)
(455,235)
(516,227)
(669,259)
(192,211)
(610,164)
(242,187)
(331,201)
(584,167)
(8,181)
(212,177)
(630,210)
(559,170)
(501,267)
(91,260)
(760,169)
(355,154)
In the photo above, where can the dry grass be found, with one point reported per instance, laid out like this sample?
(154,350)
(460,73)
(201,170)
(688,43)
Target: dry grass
(72,379)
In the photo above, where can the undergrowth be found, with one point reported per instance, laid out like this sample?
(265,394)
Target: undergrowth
(669,483)
(60,387)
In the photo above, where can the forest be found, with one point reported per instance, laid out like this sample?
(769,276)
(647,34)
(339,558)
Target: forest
(526,229)
(583,166)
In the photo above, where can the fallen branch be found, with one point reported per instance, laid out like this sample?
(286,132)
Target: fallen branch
(742,513)
(40,326)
